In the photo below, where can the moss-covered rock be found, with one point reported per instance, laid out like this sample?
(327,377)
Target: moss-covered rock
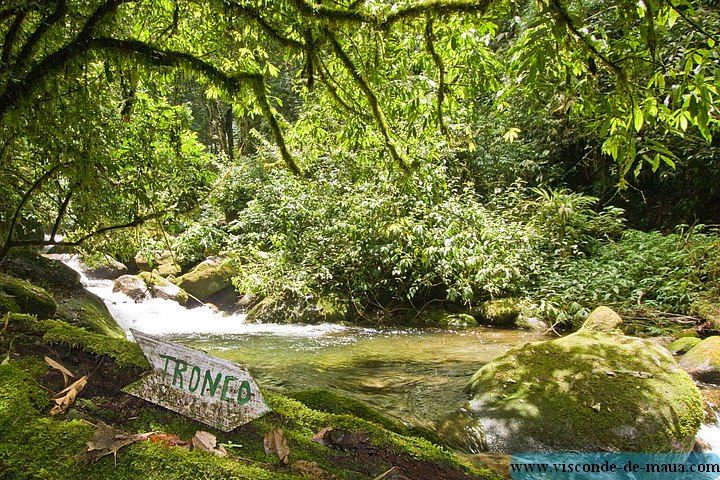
(85,309)
(591,391)
(209,277)
(683,345)
(133,286)
(291,309)
(163,263)
(41,271)
(703,360)
(104,267)
(20,296)
(500,312)
(603,319)
(159,287)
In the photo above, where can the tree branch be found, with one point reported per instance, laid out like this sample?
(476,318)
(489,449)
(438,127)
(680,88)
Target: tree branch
(37,184)
(9,39)
(371,98)
(265,25)
(437,59)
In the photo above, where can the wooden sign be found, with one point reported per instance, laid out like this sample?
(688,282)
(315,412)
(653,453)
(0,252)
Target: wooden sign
(209,389)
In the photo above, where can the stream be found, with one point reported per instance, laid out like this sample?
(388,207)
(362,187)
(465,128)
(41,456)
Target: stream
(416,376)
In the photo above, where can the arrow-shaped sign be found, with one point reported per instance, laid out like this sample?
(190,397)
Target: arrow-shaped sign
(209,389)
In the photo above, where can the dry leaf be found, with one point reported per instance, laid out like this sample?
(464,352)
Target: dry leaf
(275,442)
(108,440)
(66,397)
(320,436)
(169,440)
(67,374)
(207,442)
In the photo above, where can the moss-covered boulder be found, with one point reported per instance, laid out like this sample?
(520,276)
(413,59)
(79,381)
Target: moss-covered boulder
(133,286)
(291,309)
(159,287)
(39,270)
(163,263)
(592,391)
(104,267)
(209,277)
(703,360)
(603,319)
(683,345)
(500,312)
(20,296)
(85,309)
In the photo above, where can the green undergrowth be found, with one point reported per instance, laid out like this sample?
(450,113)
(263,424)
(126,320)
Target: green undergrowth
(35,445)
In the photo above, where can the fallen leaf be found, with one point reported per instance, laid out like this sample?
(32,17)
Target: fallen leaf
(169,440)
(66,397)
(275,442)
(67,374)
(319,437)
(207,442)
(108,440)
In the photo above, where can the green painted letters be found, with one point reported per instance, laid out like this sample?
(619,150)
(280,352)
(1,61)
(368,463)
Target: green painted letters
(180,367)
(210,384)
(194,375)
(244,393)
(228,379)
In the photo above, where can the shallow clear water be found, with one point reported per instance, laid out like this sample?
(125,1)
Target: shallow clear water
(416,376)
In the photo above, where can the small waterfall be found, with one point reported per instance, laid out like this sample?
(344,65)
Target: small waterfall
(160,316)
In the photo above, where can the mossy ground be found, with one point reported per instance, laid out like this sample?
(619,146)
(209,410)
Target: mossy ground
(34,445)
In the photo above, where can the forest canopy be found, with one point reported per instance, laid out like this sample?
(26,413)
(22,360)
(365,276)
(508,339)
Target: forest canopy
(410,116)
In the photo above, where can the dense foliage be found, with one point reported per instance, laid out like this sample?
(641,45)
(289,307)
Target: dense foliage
(384,154)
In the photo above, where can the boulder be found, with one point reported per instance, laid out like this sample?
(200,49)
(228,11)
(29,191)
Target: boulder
(37,269)
(683,345)
(161,288)
(106,268)
(207,278)
(290,309)
(703,360)
(603,319)
(596,390)
(163,263)
(132,286)
(85,309)
(75,305)
(21,296)
(500,312)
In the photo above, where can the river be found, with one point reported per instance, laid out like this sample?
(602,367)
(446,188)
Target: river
(416,376)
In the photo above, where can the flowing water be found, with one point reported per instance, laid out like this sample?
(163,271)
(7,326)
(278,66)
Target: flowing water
(416,376)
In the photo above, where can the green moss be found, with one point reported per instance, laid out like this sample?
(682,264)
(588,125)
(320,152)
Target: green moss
(90,312)
(603,319)
(291,309)
(125,354)
(683,345)
(588,391)
(703,360)
(708,310)
(207,278)
(502,311)
(331,402)
(27,297)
